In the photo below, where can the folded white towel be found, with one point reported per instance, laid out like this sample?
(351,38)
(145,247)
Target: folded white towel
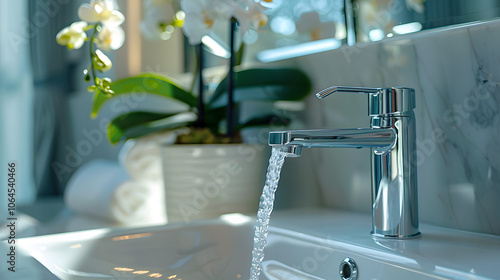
(102,189)
(142,158)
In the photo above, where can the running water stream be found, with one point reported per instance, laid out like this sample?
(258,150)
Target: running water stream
(265,208)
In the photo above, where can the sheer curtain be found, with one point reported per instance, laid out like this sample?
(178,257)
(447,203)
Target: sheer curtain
(16,103)
(53,75)
(37,78)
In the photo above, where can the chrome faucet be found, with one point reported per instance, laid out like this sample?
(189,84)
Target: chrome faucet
(391,138)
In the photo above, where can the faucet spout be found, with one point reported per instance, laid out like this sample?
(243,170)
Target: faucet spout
(335,138)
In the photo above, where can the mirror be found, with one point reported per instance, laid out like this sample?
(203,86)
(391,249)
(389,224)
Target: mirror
(298,27)
(365,21)
(301,27)
(376,20)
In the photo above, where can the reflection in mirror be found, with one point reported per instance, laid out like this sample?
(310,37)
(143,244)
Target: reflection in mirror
(379,19)
(298,27)
(293,28)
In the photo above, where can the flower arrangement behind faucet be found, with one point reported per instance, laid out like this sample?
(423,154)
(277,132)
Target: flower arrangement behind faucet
(204,116)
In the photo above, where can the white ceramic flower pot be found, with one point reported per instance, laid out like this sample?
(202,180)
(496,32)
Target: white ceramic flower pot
(206,181)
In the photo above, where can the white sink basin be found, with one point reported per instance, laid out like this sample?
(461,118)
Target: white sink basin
(305,244)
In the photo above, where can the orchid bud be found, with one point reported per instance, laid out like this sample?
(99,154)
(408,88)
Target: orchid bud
(101,61)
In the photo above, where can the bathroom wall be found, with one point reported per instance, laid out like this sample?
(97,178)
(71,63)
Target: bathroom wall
(456,74)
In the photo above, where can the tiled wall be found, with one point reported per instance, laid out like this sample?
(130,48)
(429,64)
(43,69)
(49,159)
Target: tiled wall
(456,75)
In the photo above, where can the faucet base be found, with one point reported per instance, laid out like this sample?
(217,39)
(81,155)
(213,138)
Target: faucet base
(387,236)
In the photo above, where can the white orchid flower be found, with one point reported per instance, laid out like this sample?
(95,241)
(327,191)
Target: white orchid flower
(72,36)
(156,14)
(110,38)
(101,11)
(250,17)
(310,24)
(200,17)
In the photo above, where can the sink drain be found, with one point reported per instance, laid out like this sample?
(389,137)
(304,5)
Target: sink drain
(348,269)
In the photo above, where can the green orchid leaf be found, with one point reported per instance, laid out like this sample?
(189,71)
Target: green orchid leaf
(136,124)
(145,83)
(263,84)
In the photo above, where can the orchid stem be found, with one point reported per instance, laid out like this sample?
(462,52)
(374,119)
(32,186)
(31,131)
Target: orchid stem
(200,122)
(97,85)
(195,69)
(230,87)
(92,66)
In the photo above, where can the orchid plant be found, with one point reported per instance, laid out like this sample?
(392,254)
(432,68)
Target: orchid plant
(204,118)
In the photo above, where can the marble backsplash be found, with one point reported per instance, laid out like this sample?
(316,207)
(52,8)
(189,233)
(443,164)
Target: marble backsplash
(456,75)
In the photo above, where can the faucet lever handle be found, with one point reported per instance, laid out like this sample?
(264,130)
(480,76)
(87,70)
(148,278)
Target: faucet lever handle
(381,101)
(327,91)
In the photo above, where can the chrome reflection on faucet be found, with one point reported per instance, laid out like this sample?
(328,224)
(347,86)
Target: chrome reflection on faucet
(391,137)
